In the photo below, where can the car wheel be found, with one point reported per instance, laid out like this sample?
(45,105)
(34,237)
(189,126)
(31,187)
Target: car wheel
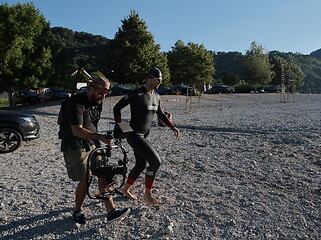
(10,140)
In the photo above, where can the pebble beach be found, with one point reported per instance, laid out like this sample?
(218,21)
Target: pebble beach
(246,166)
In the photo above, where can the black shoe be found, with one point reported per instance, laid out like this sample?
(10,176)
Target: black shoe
(117,214)
(79,217)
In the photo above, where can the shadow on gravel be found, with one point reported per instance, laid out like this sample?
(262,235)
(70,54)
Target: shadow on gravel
(220,130)
(26,229)
(42,225)
(52,223)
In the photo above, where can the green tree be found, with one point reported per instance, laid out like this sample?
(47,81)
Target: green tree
(25,54)
(133,52)
(257,66)
(310,66)
(229,65)
(287,73)
(190,64)
(230,79)
(72,50)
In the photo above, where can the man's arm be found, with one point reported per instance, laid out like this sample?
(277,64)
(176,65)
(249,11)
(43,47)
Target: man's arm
(160,113)
(123,102)
(80,132)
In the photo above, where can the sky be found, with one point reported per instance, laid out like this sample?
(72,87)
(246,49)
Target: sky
(220,25)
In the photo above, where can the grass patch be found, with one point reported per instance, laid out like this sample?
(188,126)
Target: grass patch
(4,102)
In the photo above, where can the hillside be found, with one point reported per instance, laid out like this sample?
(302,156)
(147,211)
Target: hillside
(316,54)
(87,50)
(229,64)
(81,48)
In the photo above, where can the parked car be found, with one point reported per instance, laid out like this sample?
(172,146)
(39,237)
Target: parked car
(82,89)
(220,89)
(164,91)
(271,89)
(55,94)
(181,89)
(27,97)
(16,127)
(119,90)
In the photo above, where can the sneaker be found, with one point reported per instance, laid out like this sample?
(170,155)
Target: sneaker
(79,217)
(117,214)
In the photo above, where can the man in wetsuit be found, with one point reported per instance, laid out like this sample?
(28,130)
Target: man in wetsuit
(144,103)
(78,121)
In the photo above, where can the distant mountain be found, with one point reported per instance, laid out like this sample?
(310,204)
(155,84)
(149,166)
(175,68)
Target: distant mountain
(82,48)
(316,54)
(310,66)
(229,64)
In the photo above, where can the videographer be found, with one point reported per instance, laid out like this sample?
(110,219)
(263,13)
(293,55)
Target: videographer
(78,121)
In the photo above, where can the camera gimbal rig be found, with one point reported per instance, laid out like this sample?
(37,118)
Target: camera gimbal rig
(99,165)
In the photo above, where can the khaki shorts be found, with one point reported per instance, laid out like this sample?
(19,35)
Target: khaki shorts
(76,163)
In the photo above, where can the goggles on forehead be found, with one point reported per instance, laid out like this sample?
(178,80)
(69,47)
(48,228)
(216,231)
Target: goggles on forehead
(157,79)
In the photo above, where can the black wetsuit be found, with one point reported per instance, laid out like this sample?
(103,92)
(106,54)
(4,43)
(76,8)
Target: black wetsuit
(143,106)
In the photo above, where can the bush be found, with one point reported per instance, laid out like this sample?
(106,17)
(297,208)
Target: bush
(197,92)
(244,88)
(4,102)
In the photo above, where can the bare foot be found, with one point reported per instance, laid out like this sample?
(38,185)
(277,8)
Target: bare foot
(151,200)
(129,195)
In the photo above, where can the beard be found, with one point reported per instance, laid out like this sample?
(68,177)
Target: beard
(95,101)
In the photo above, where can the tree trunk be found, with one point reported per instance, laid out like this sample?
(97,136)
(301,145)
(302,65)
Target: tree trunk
(12,98)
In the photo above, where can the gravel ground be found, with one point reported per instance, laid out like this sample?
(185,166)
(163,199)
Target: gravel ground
(245,167)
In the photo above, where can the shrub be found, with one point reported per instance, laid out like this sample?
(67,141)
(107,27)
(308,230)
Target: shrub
(4,102)
(244,88)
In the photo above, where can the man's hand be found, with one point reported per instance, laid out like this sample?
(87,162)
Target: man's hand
(176,131)
(107,139)
(79,131)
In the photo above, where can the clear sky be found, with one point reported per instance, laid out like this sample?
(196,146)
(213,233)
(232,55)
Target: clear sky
(221,25)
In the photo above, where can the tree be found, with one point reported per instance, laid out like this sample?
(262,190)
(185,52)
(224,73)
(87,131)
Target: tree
(229,65)
(287,73)
(304,64)
(133,52)
(230,79)
(25,55)
(190,64)
(73,50)
(257,65)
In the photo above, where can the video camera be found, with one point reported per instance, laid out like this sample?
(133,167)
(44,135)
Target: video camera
(100,164)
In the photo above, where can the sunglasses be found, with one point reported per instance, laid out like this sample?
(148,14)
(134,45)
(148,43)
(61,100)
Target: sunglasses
(107,90)
(157,79)
(97,86)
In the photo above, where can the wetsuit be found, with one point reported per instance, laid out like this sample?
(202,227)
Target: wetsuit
(143,106)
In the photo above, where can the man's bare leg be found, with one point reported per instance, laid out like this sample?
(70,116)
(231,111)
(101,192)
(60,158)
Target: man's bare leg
(149,198)
(127,193)
(80,195)
(109,204)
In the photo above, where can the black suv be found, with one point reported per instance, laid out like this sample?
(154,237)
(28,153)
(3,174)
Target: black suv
(16,127)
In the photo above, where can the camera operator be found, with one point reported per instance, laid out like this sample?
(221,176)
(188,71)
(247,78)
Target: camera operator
(78,131)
